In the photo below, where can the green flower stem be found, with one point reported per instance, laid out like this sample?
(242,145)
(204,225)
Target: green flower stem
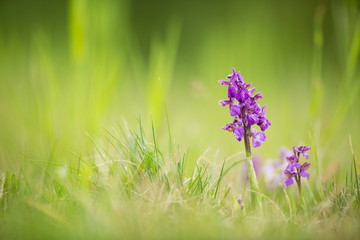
(254,186)
(298,182)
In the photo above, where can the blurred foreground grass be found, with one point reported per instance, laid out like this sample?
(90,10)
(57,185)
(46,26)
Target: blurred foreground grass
(71,72)
(132,188)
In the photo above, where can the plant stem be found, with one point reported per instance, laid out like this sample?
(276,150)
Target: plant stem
(299,187)
(298,179)
(254,186)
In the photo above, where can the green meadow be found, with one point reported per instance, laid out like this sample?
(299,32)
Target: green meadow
(110,125)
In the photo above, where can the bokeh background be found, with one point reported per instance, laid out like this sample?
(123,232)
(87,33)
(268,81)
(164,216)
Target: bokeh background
(69,69)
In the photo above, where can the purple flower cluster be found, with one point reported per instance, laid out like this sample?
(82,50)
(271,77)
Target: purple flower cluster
(295,170)
(244,108)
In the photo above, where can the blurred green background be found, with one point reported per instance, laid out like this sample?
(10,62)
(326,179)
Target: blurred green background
(70,68)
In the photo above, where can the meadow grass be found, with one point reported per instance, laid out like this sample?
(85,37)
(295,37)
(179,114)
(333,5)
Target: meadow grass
(71,169)
(130,187)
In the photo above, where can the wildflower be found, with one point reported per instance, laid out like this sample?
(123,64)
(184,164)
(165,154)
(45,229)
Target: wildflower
(229,127)
(244,107)
(247,112)
(225,102)
(302,150)
(257,137)
(294,170)
(239,133)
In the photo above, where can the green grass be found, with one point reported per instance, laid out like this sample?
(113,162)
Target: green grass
(132,188)
(110,128)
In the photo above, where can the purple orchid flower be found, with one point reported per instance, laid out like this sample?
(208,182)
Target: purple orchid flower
(257,138)
(229,127)
(239,133)
(244,107)
(302,150)
(226,102)
(294,170)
